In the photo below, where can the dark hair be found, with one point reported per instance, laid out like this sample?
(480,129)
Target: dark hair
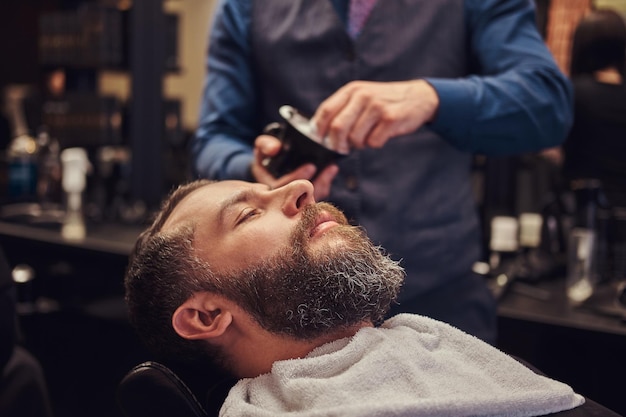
(163,272)
(599,42)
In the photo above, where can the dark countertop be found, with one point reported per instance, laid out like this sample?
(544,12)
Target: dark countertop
(546,303)
(114,239)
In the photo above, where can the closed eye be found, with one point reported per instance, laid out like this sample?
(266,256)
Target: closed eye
(246,214)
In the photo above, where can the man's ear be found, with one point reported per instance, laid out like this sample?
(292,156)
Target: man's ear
(201,317)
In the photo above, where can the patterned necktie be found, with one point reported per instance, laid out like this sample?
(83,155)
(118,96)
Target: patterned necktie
(357,15)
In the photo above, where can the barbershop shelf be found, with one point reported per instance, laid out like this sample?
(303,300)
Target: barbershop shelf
(73,274)
(546,303)
(113,239)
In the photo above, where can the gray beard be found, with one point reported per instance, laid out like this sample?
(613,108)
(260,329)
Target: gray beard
(304,295)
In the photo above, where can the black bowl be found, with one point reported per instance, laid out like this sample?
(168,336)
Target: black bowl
(300,144)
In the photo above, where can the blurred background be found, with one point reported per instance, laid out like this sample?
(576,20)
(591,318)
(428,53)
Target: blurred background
(122,80)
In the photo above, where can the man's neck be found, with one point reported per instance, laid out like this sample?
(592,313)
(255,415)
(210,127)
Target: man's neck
(255,356)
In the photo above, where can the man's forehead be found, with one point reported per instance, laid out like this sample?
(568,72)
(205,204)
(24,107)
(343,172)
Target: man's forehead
(202,201)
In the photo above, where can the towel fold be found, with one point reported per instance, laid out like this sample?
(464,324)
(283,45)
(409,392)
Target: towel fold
(410,366)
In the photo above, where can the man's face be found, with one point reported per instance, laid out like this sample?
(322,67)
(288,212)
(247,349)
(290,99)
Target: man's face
(240,224)
(296,266)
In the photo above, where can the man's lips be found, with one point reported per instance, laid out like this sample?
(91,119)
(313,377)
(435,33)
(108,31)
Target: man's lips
(323,222)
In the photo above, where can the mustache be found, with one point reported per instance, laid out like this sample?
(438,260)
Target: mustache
(310,215)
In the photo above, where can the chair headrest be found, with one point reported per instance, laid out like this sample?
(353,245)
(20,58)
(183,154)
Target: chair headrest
(151,389)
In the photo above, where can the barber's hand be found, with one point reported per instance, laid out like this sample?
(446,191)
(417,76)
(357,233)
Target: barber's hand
(267,146)
(367,114)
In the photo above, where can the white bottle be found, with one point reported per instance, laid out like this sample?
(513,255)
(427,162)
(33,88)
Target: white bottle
(533,263)
(503,248)
(75,168)
(581,278)
(584,242)
(504,242)
(530,225)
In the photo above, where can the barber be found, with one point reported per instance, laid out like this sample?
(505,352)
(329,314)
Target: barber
(412,94)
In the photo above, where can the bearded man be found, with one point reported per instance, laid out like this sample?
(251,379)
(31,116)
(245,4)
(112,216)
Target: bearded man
(282,293)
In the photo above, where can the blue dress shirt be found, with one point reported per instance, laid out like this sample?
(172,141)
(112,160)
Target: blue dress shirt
(474,114)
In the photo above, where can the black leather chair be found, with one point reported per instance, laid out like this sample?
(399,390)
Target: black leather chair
(151,389)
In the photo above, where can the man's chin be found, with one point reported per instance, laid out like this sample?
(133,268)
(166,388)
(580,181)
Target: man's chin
(338,238)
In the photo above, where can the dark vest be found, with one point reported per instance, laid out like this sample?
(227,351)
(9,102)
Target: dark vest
(414,195)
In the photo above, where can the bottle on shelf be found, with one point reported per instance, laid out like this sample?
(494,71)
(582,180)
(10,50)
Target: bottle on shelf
(535,261)
(49,190)
(587,241)
(21,152)
(22,169)
(75,168)
(503,254)
(530,231)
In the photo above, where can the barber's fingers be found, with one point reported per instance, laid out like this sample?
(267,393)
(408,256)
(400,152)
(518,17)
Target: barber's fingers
(348,116)
(368,114)
(360,134)
(263,176)
(303,172)
(265,146)
(342,127)
(335,117)
(329,108)
(395,109)
(323,182)
(394,120)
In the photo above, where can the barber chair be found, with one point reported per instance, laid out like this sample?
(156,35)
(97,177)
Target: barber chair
(151,389)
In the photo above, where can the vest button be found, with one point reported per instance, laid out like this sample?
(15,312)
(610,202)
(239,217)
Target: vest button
(352,183)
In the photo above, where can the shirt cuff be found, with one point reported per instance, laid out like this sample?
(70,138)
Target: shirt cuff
(457,110)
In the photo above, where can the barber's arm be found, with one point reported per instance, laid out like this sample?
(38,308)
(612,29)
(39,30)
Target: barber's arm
(223,146)
(518,101)
(228,124)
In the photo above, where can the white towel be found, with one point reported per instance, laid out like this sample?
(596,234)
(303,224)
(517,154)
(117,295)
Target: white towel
(411,366)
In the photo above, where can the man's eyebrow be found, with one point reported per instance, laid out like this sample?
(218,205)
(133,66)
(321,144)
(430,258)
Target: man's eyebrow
(236,198)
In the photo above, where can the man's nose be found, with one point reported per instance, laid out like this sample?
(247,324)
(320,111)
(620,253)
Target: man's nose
(297,194)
